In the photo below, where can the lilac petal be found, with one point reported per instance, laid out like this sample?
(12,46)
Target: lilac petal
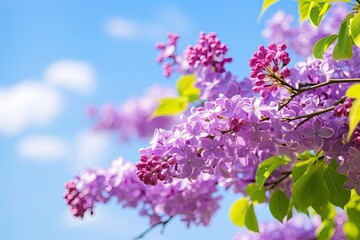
(254,134)
(349,184)
(354,152)
(342,169)
(296,135)
(186,170)
(308,132)
(318,141)
(242,152)
(264,145)
(205,143)
(197,162)
(357,189)
(326,132)
(355,164)
(224,171)
(208,169)
(219,153)
(316,124)
(264,125)
(272,148)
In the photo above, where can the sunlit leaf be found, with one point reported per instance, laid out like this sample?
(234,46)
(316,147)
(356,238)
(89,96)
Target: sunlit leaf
(186,88)
(238,211)
(354,117)
(353,91)
(355,29)
(317,11)
(322,45)
(304,6)
(170,106)
(266,4)
(266,167)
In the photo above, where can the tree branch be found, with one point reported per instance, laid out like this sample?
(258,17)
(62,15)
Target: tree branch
(163,224)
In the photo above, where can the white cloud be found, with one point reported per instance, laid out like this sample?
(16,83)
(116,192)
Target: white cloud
(42,148)
(28,104)
(170,19)
(90,149)
(75,75)
(122,28)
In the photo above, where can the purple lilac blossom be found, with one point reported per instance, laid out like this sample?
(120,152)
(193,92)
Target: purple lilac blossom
(299,227)
(234,134)
(197,199)
(132,117)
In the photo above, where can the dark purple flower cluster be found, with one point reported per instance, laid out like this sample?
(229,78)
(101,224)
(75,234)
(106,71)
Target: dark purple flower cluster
(193,202)
(208,52)
(343,109)
(267,66)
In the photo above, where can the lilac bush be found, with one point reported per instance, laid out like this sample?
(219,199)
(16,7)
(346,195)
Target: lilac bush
(283,136)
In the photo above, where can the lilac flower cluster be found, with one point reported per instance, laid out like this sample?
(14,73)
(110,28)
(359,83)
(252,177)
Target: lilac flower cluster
(206,60)
(267,66)
(230,136)
(170,60)
(208,52)
(132,118)
(198,203)
(299,227)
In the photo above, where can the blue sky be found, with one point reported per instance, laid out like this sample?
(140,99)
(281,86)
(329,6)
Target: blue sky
(108,48)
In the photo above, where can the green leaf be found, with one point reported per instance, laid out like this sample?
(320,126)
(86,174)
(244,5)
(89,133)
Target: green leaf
(325,230)
(353,91)
(343,49)
(238,211)
(335,182)
(289,213)
(300,168)
(279,204)
(186,88)
(266,167)
(355,29)
(317,11)
(170,106)
(343,36)
(322,45)
(266,4)
(354,117)
(347,54)
(256,194)
(310,189)
(250,219)
(304,7)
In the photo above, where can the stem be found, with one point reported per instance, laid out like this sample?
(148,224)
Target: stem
(306,88)
(163,224)
(311,115)
(274,184)
(328,82)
